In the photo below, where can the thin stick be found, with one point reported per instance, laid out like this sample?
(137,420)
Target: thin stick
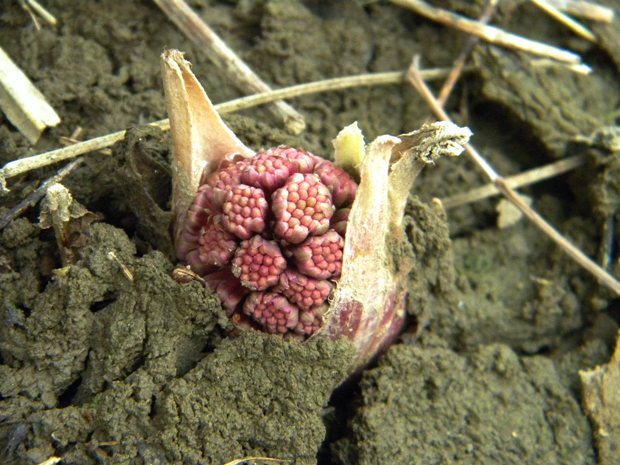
(124,268)
(327,85)
(459,64)
(585,10)
(519,180)
(226,59)
(24,105)
(32,6)
(38,194)
(255,460)
(51,461)
(501,184)
(566,20)
(33,17)
(24,165)
(490,34)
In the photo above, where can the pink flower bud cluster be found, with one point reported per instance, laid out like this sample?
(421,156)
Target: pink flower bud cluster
(267,234)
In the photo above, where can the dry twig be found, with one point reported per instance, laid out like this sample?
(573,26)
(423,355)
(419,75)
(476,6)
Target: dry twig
(488,33)
(216,49)
(23,165)
(501,184)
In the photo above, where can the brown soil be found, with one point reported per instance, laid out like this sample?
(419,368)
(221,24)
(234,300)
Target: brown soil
(98,368)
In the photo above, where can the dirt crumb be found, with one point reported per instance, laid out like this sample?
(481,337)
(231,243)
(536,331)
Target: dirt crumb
(490,406)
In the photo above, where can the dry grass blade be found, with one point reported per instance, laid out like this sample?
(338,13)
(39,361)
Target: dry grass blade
(566,20)
(522,179)
(501,184)
(23,165)
(226,59)
(487,33)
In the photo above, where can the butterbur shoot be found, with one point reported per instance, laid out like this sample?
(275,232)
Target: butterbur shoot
(294,244)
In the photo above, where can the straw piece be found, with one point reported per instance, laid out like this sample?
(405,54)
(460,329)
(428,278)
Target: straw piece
(24,105)
(566,20)
(51,461)
(522,179)
(36,10)
(42,12)
(585,10)
(459,64)
(577,255)
(256,460)
(23,165)
(490,34)
(225,58)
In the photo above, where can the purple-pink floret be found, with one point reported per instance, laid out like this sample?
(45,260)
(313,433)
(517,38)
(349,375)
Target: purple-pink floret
(228,288)
(210,247)
(245,211)
(272,311)
(258,263)
(339,183)
(226,176)
(339,221)
(271,168)
(309,322)
(302,207)
(266,233)
(320,256)
(216,186)
(302,290)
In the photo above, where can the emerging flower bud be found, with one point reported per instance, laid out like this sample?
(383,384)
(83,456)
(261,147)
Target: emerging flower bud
(283,214)
(230,218)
